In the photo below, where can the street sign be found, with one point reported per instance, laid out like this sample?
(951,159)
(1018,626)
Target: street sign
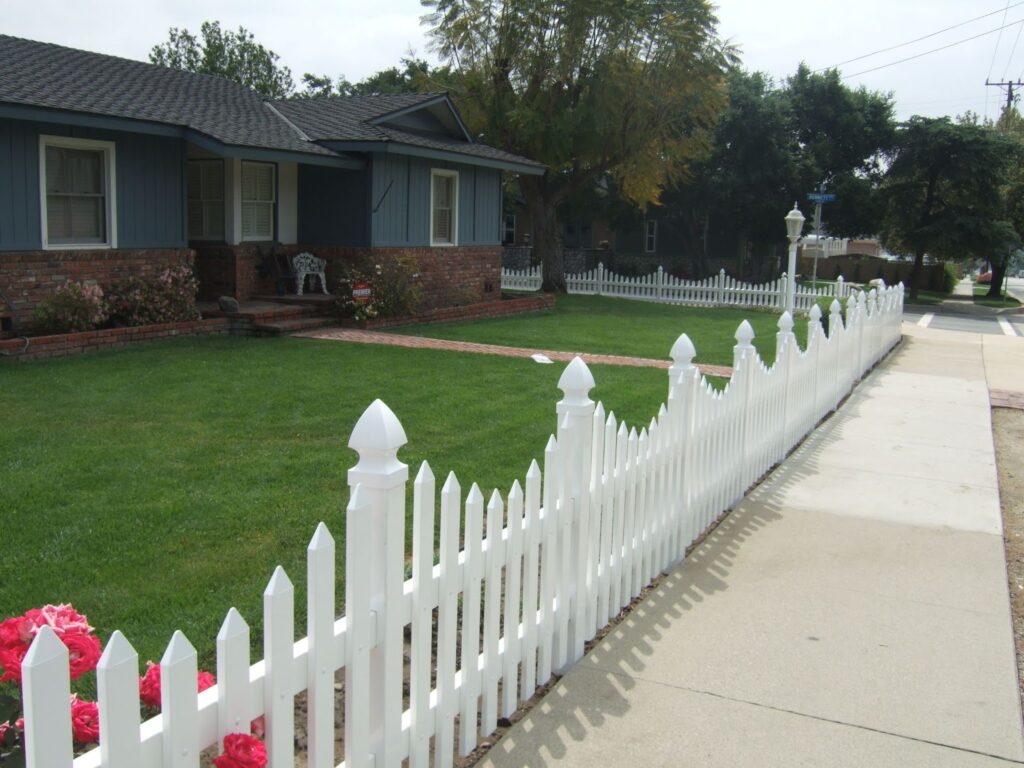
(819,197)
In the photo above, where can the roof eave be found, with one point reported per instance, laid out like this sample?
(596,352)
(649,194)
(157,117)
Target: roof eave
(441,98)
(396,148)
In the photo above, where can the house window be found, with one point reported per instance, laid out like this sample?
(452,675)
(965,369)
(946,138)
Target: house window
(259,196)
(650,236)
(205,199)
(444,211)
(508,235)
(77,192)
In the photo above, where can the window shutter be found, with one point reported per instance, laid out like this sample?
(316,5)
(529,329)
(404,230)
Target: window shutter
(195,181)
(213,180)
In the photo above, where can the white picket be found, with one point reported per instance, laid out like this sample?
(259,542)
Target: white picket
(447,622)
(494,560)
(46,686)
(234,708)
(472,570)
(513,594)
(424,600)
(360,631)
(320,612)
(531,582)
(278,637)
(179,697)
(117,689)
(550,568)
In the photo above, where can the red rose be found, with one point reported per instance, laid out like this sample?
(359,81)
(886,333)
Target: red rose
(242,751)
(5,728)
(63,619)
(10,662)
(85,720)
(84,653)
(10,632)
(149,684)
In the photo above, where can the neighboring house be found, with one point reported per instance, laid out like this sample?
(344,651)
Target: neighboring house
(111,168)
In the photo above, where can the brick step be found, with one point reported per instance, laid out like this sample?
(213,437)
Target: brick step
(323,304)
(292,325)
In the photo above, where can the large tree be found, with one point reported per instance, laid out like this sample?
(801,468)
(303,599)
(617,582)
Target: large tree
(234,55)
(945,192)
(596,89)
(413,76)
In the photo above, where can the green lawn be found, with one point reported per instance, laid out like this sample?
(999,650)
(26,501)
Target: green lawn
(598,324)
(981,297)
(926,298)
(154,487)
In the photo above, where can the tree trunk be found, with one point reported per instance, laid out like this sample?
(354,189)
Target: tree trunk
(995,288)
(548,245)
(915,273)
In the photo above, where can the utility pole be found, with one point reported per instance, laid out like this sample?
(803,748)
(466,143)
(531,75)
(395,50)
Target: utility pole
(1009,90)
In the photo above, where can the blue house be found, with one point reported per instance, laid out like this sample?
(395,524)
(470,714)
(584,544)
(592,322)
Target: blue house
(111,168)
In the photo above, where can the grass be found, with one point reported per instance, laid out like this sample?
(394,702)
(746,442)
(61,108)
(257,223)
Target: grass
(926,298)
(602,325)
(157,486)
(982,298)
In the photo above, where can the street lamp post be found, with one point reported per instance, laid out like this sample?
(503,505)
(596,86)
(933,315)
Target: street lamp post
(794,226)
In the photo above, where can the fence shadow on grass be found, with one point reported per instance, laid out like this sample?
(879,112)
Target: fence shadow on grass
(569,712)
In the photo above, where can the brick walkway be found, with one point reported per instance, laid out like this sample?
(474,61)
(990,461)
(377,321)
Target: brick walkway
(417,342)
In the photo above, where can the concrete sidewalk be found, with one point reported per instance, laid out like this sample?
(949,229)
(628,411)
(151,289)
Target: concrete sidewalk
(852,611)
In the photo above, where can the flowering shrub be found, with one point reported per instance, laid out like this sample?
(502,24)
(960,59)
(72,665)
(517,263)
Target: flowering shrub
(242,751)
(149,684)
(16,636)
(394,288)
(74,307)
(169,298)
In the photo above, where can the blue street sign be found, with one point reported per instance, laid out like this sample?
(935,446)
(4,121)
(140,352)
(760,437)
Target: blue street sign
(817,197)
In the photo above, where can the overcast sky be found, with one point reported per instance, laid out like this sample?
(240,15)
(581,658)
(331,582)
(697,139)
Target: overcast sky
(358,38)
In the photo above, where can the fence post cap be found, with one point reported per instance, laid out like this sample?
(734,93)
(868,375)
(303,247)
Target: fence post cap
(834,308)
(721,271)
(118,651)
(815,313)
(744,334)
(683,351)
(376,437)
(233,625)
(321,540)
(45,648)
(278,583)
(785,322)
(840,279)
(475,496)
(179,648)
(576,382)
(862,298)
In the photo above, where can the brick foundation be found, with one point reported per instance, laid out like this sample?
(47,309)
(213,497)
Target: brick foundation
(450,276)
(467,312)
(28,277)
(64,344)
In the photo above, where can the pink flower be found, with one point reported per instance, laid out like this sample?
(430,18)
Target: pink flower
(6,728)
(242,751)
(259,727)
(149,684)
(63,619)
(85,720)
(84,653)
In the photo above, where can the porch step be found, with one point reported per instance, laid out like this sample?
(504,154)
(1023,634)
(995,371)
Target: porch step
(283,327)
(322,303)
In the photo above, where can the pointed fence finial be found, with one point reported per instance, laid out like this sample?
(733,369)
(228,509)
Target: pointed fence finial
(376,437)
(785,323)
(683,351)
(815,313)
(834,308)
(744,334)
(576,382)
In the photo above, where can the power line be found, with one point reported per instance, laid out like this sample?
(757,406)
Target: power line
(933,50)
(1013,50)
(998,39)
(925,37)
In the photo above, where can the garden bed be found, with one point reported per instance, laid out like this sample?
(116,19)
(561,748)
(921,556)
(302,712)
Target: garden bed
(477,311)
(62,344)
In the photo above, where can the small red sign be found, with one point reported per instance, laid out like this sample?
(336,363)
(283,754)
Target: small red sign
(361,293)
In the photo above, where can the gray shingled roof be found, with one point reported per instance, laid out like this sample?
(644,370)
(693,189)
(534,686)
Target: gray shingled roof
(349,118)
(45,75)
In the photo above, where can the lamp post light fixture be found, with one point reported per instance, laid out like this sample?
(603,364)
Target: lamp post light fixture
(794,226)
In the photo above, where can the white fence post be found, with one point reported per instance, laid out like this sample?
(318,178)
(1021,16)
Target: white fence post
(46,690)
(320,612)
(359,625)
(814,334)
(234,711)
(376,437)
(278,639)
(576,412)
(720,294)
(661,283)
(743,364)
(600,278)
(785,343)
(179,704)
(117,687)
(840,287)
(683,380)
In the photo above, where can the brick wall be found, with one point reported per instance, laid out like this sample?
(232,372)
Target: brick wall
(28,277)
(450,276)
(64,344)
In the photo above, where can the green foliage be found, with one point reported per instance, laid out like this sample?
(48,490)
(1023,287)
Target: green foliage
(593,89)
(394,283)
(73,308)
(414,76)
(168,298)
(234,55)
(950,277)
(944,192)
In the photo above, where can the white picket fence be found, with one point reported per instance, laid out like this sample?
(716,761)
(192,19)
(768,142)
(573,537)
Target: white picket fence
(556,558)
(719,290)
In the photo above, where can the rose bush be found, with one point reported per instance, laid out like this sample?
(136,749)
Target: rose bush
(149,684)
(242,751)
(394,285)
(168,298)
(74,307)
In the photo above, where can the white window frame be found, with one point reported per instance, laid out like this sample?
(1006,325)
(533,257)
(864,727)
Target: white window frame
(455,207)
(650,235)
(108,149)
(272,202)
(205,237)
